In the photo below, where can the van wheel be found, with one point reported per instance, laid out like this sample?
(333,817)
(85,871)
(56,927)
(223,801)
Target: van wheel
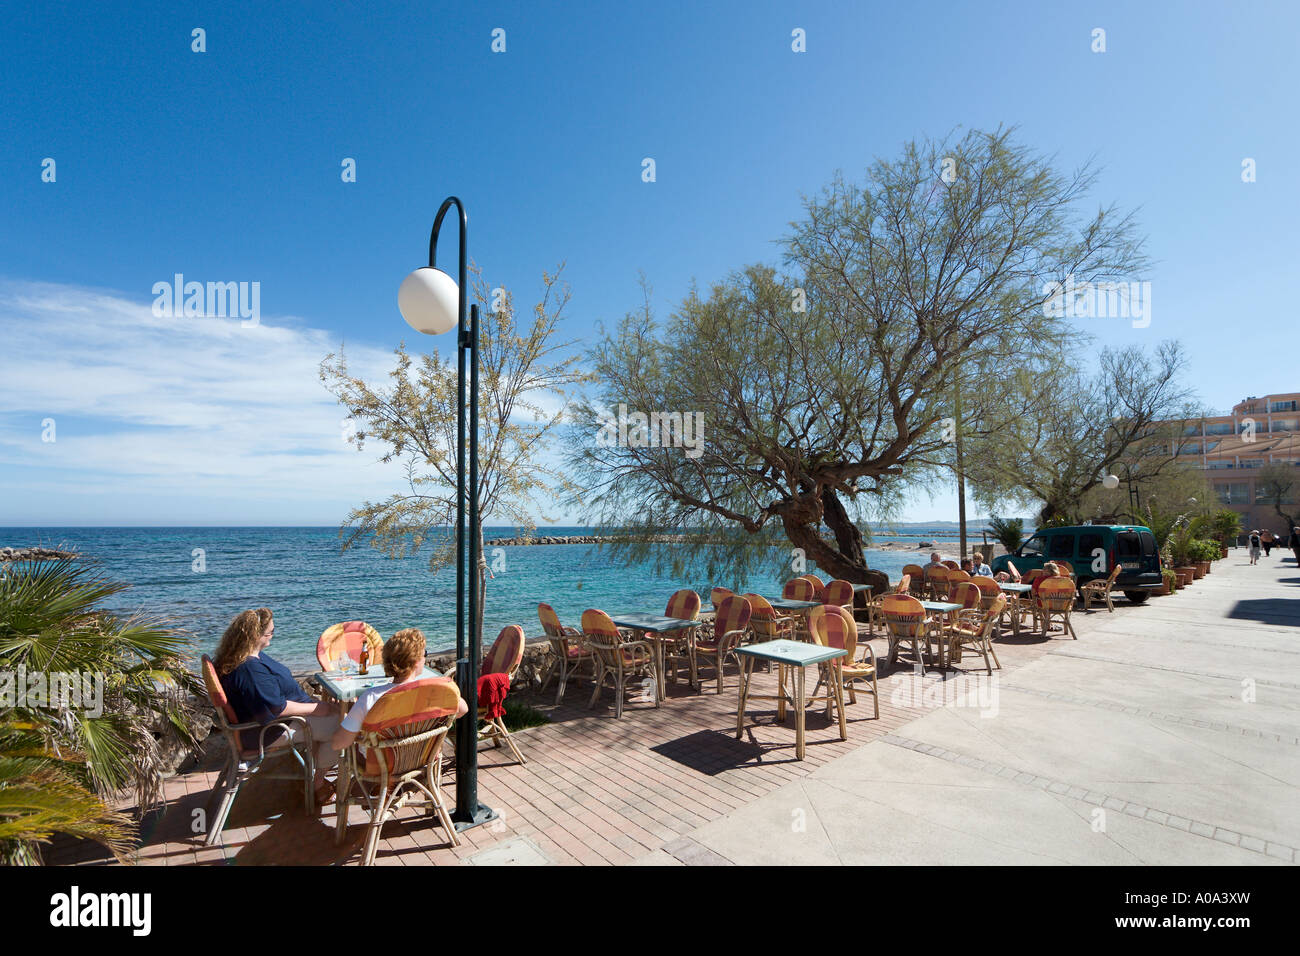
(1137,597)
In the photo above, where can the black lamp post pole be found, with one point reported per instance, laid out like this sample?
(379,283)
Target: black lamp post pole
(469,812)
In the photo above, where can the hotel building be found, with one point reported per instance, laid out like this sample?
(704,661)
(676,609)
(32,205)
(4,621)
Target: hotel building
(1232,446)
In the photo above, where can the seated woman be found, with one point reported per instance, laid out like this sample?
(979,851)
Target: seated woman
(261,689)
(404,663)
(981,565)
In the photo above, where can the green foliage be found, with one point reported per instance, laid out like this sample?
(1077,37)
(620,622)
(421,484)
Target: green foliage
(519,715)
(1225,526)
(1009,532)
(60,764)
(828,391)
(524,387)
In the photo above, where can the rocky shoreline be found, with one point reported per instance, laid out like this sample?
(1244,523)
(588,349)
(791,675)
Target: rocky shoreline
(35,554)
(571,539)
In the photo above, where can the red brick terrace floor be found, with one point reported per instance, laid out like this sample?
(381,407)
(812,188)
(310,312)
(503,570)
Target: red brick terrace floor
(595,790)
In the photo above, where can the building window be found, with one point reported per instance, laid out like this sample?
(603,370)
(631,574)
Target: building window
(1191,448)
(1252,463)
(1262,497)
(1217,465)
(1285,425)
(1219,428)
(1283,406)
(1236,493)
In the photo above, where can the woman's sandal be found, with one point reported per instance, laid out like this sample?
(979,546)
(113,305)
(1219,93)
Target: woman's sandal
(325,794)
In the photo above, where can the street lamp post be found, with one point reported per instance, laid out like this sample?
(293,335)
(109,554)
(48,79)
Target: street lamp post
(1111,482)
(432,302)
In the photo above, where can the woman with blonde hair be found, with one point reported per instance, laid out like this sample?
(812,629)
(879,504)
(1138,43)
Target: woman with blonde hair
(404,663)
(261,689)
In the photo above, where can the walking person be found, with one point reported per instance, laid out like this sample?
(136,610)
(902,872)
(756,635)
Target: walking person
(1254,547)
(1266,539)
(1295,542)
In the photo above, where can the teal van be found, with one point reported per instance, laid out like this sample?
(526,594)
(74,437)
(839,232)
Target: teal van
(1092,551)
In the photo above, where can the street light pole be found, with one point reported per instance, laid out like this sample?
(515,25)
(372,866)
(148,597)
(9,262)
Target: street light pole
(425,303)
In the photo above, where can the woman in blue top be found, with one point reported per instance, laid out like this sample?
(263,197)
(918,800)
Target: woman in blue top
(261,689)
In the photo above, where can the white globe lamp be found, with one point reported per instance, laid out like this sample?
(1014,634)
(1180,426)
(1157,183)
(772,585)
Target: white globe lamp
(429,301)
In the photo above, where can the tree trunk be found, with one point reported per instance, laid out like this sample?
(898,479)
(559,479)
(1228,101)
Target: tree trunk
(845,561)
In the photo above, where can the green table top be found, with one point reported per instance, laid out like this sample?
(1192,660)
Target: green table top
(940,606)
(797,653)
(654,623)
(789,604)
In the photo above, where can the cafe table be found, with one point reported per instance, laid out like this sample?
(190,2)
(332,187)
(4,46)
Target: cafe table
(658,630)
(798,607)
(938,609)
(1017,591)
(346,687)
(796,656)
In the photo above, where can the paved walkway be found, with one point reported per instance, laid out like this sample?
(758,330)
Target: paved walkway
(1132,744)
(1168,734)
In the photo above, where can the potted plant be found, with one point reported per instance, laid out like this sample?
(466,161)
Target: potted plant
(1169,581)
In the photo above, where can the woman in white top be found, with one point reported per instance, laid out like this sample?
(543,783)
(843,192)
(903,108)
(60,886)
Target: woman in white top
(404,663)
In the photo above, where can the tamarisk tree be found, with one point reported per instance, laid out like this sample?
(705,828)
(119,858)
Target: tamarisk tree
(824,389)
(414,422)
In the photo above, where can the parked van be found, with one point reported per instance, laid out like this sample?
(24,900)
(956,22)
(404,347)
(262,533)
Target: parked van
(1092,550)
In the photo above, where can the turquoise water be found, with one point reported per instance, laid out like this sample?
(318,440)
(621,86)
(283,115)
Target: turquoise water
(300,574)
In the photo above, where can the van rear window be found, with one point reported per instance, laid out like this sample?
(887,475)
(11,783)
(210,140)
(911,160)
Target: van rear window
(1148,544)
(1128,544)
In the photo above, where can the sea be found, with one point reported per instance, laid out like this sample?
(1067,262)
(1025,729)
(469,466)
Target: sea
(200,578)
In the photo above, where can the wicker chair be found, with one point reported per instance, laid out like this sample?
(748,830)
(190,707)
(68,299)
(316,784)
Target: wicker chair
(765,623)
(345,640)
(975,627)
(799,589)
(937,579)
(905,620)
(730,628)
(819,589)
(568,656)
(1099,590)
(967,594)
(678,646)
(1056,599)
(617,658)
(916,576)
(717,595)
(833,626)
(839,593)
(244,762)
(504,657)
(402,734)
(990,591)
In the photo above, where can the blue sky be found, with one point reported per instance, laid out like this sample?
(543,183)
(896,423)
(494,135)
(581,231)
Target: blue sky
(225,166)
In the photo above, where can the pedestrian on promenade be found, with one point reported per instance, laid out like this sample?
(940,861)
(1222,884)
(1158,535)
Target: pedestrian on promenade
(1254,547)
(1295,542)
(1266,539)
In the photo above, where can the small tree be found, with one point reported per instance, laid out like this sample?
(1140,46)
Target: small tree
(414,420)
(1009,532)
(1277,484)
(1129,416)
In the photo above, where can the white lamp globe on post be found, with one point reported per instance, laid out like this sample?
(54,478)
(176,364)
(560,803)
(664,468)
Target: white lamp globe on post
(1110,482)
(429,301)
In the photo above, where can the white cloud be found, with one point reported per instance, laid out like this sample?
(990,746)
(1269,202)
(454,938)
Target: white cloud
(195,408)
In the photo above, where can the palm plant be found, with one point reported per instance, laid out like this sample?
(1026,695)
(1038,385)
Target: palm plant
(1009,532)
(61,765)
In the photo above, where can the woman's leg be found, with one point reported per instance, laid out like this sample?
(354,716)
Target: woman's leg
(322,729)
